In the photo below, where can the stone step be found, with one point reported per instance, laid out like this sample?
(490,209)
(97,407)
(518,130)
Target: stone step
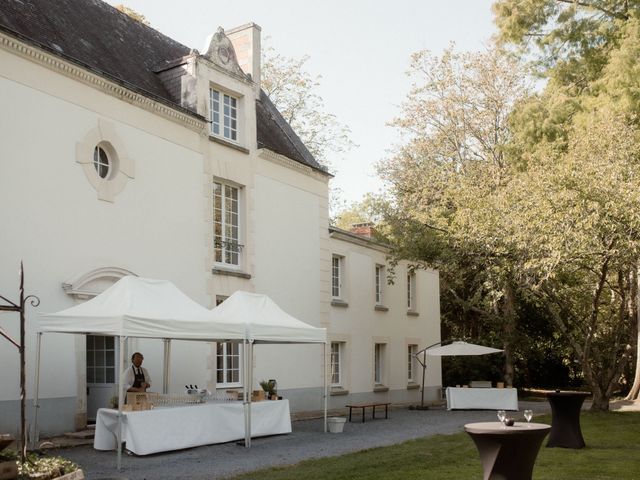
(82,434)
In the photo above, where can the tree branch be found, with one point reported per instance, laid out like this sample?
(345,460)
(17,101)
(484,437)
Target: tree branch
(619,16)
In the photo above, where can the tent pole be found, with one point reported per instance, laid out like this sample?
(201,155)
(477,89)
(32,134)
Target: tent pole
(120,401)
(248,439)
(245,391)
(36,406)
(326,383)
(165,366)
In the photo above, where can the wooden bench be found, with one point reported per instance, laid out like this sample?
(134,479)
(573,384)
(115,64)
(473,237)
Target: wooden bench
(365,405)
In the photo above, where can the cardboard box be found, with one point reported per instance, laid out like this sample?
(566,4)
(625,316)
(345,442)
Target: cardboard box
(258,395)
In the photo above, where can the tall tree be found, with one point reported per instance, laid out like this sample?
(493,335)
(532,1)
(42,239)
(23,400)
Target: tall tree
(576,213)
(588,50)
(448,170)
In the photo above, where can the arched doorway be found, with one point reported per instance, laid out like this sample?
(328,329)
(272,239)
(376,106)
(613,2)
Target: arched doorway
(98,367)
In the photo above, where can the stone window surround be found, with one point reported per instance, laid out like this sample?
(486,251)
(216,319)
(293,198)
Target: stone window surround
(122,167)
(221,267)
(239,142)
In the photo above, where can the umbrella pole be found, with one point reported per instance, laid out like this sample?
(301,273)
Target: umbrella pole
(424,370)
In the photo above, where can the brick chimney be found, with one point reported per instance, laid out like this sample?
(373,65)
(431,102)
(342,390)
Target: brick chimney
(363,229)
(246,42)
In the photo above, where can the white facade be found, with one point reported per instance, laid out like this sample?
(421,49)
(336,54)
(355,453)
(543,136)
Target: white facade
(375,325)
(153,216)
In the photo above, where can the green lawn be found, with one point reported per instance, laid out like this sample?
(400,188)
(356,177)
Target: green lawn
(612,452)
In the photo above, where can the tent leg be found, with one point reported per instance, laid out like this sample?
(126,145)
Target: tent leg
(326,383)
(245,392)
(36,434)
(120,401)
(247,440)
(165,366)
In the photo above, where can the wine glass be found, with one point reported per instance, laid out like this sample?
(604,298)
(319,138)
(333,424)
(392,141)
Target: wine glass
(502,415)
(528,415)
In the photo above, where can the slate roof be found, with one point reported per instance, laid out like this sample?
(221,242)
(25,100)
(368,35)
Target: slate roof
(96,36)
(277,135)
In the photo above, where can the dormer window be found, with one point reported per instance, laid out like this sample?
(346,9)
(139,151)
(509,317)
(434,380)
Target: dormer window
(224,115)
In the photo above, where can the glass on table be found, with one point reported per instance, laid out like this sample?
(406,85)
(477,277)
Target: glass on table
(528,415)
(501,415)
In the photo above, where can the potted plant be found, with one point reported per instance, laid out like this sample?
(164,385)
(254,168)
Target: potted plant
(269,386)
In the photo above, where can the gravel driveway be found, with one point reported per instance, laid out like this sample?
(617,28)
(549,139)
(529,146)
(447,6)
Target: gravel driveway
(306,441)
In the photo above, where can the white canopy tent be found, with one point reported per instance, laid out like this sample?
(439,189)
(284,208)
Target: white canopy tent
(263,321)
(146,308)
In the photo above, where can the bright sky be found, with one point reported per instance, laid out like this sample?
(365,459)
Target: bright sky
(360,47)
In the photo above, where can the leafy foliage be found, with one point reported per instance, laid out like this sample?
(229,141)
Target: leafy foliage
(40,466)
(445,179)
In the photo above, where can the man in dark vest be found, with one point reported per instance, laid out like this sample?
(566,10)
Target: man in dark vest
(136,378)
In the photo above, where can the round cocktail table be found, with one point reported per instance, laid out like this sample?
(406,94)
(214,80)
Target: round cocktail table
(565,419)
(507,453)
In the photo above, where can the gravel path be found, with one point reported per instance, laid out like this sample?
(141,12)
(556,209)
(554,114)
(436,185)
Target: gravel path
(306,441)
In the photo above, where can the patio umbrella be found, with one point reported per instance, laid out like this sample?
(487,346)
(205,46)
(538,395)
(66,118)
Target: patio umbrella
(460,348)
(453,349)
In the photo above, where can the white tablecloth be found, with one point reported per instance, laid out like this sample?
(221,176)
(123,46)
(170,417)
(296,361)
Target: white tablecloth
(482,398)
(165,429)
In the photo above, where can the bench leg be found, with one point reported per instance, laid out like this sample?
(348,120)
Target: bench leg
(363,414)
(373,415)
(350,414)
(386,411)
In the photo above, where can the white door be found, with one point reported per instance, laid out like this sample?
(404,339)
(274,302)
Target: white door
(102,372)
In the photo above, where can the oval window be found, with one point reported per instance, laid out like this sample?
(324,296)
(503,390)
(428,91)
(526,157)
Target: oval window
(101,162)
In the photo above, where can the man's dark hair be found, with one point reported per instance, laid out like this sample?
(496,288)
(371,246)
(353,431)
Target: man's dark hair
(137,353)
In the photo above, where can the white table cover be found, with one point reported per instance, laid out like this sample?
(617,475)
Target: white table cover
(166,429)
(482,398)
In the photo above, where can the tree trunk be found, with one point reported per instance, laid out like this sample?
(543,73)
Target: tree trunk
(509,331)
(600,399)
(600,402)
(635,388)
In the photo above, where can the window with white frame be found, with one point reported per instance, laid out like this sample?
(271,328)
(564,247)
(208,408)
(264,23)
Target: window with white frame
(228,364)
(226,224)
(411,291)
(101,359)
(411,362)
(224,115)
(336,363)
(337,264)
(378,363)
(379,284)
(101,162)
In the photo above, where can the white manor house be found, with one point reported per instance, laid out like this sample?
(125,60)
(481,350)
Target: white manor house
(128,153)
